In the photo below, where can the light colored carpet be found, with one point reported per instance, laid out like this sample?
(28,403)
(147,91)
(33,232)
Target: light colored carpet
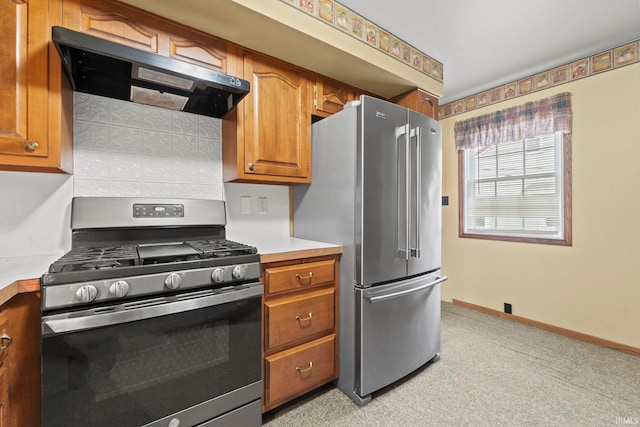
(492,372)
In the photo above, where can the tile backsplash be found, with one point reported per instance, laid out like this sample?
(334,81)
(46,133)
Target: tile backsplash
(127,149)
(122,149)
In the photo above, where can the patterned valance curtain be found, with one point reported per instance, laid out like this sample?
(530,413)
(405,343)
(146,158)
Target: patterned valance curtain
(536,118)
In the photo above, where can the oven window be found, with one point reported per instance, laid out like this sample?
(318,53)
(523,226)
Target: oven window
(133,373)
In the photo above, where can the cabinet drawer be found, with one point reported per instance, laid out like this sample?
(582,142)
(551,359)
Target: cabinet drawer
(288,320)
(298,276)
(298,370)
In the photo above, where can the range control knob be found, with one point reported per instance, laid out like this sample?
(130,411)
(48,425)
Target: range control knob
(239,271)
(119,289)
(217,275)
(87,293)
(173,281)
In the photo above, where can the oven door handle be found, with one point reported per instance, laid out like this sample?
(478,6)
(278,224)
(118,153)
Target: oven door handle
(130,312)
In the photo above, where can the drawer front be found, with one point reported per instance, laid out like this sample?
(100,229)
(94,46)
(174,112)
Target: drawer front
(298,276)
(298,370)
(288,320)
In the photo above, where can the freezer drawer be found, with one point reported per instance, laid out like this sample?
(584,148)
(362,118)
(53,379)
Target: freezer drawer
(400,330)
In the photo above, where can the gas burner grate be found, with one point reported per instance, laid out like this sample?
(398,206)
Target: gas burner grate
(96,258)
(109,261)
(221,248)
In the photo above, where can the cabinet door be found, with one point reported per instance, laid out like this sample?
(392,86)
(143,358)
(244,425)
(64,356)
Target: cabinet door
(4,396)
(330,96)
(140,30)
(20,361)
(277,122)
(29,126)
(420,101)
(4,382)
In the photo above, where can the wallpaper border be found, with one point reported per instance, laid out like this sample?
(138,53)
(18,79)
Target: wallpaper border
(357,26)
(591,65)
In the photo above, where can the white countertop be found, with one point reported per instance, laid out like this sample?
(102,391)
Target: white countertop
(24,267)
(274,245)
(270,248)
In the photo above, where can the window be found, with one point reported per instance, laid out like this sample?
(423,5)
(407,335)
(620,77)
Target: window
(515,189)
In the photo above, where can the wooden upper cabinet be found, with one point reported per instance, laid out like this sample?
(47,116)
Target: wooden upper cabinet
(135,28)
(268,138)
(420,101)
(35,135)
(330,96)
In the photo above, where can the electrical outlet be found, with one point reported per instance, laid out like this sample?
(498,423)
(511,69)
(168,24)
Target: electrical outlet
(507,308)
(263,205)
(245,204)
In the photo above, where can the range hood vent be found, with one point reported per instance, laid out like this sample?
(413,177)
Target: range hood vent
(101,67)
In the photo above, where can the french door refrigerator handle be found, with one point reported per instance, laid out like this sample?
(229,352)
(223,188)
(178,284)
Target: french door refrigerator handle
(408,194)
(380,298)
(415,252)
(400,131)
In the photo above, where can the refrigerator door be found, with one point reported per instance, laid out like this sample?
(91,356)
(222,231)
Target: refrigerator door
(381,228)
(399,330)
(425,194)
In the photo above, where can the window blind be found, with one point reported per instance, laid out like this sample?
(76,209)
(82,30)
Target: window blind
(515,188)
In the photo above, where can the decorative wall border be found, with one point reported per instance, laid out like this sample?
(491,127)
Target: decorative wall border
(608,60)
(344,19)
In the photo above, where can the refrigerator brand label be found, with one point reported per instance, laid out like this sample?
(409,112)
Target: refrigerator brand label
(381,114)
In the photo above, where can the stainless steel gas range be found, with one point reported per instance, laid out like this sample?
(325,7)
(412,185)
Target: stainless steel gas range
(152,319)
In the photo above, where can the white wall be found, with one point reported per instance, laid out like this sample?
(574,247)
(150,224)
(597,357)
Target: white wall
(34,214)
(126,149)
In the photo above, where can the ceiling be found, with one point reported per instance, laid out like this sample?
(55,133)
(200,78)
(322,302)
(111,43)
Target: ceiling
(487,43)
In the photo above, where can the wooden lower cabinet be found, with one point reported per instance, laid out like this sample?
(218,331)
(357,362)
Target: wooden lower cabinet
(300,320)
(20,361)
(4,396)
(4,382)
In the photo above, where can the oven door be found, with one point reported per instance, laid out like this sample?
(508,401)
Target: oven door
(181,360)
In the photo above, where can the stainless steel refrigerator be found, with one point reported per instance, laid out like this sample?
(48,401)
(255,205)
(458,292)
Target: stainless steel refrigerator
(377,191)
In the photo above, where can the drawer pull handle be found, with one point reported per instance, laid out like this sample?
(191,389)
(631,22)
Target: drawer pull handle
(300,319)
(5,337)
(304,370)
(303,278)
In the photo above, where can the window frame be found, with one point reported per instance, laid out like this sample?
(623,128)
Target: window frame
(567,237)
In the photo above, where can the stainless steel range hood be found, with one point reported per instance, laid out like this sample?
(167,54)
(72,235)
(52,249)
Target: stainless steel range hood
(109,69)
